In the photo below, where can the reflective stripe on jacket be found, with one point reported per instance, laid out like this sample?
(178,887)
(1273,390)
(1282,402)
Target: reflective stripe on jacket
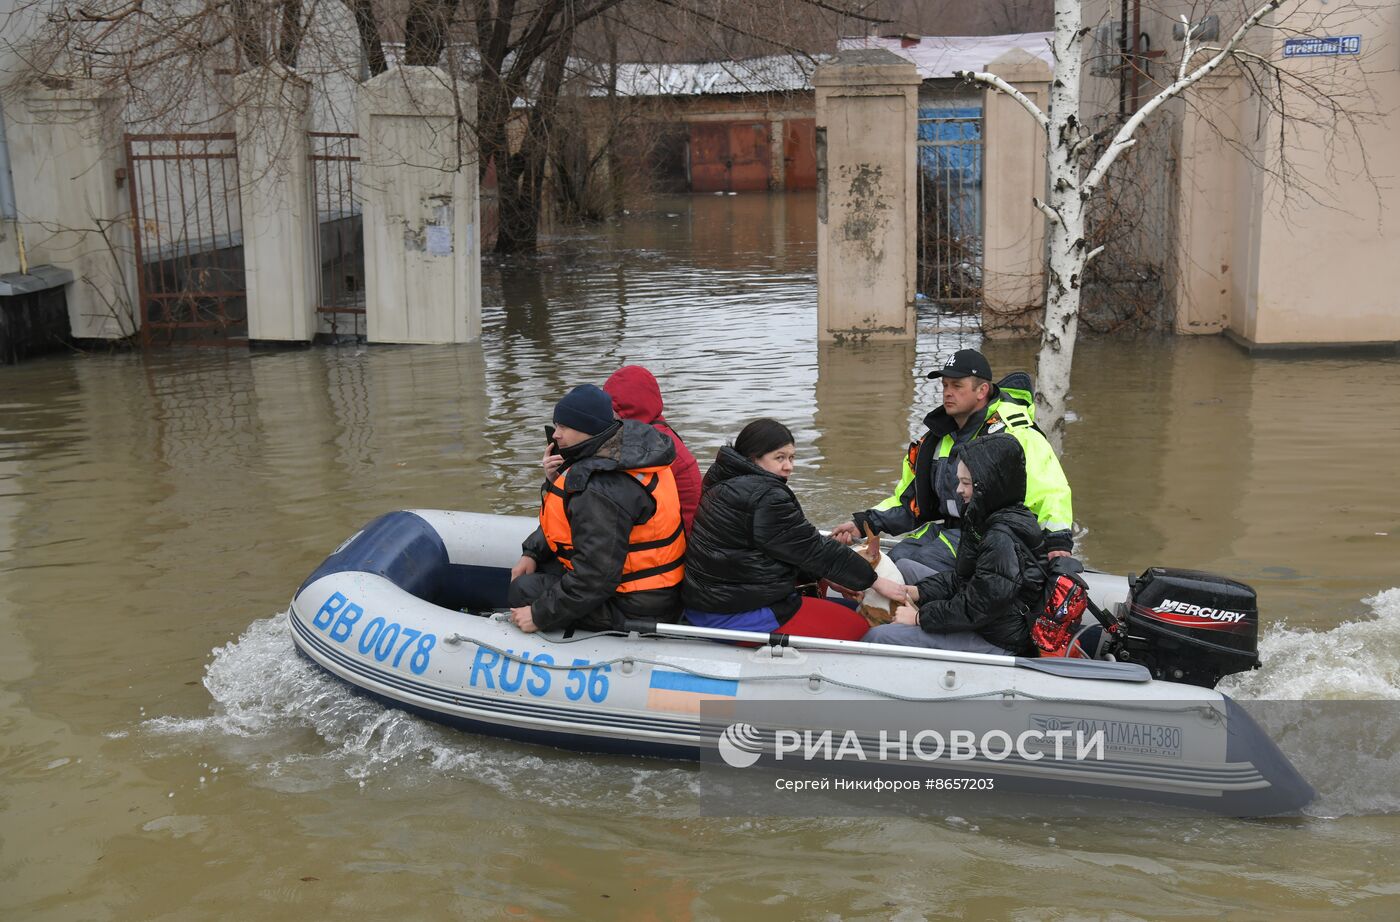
(655,547)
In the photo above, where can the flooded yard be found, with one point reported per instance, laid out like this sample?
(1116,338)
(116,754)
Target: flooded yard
(167,755)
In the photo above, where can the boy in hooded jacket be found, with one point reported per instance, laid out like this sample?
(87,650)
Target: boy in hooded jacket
(986,603)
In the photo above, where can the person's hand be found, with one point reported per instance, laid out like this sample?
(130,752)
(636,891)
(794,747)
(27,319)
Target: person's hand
(895,592)
(1053,554)
(846,532)
(526,564)
(906,614)
(551,461)
(524,619)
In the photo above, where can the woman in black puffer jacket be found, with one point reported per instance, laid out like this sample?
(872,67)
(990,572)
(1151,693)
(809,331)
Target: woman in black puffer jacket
(750,546)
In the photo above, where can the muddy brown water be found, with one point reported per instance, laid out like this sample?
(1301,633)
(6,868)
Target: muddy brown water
(165,756)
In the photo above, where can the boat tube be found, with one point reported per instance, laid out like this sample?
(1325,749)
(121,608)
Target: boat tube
(411,609)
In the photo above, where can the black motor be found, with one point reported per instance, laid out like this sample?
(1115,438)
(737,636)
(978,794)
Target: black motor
(1192,627)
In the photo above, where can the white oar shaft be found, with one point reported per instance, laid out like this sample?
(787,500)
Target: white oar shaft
(823,643)
(1071,668)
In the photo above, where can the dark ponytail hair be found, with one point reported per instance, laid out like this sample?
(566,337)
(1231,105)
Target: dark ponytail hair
(760,437)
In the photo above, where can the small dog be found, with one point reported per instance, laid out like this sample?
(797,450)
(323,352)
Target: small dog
(875,608)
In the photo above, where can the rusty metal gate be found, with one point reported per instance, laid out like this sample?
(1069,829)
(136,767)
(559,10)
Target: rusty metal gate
(950,207)
(340,238)
(729,157)
(188,238)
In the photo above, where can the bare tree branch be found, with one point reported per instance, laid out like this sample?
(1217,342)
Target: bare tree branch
(992,81)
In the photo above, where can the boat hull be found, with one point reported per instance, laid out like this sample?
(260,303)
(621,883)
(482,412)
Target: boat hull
(382,614)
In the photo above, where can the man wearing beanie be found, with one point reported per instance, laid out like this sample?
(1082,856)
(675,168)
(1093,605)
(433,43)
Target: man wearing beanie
(610,544)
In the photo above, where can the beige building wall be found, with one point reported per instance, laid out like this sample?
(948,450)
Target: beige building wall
(1328,252)
(1307,261)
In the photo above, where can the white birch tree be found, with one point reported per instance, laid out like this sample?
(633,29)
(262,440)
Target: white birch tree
(1073,180)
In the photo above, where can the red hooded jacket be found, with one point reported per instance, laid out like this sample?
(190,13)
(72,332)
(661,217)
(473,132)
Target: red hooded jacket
(635,395)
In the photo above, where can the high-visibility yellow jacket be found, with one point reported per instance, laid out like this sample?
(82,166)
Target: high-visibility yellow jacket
(916,501)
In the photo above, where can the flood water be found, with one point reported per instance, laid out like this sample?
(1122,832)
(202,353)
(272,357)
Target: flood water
(166,756)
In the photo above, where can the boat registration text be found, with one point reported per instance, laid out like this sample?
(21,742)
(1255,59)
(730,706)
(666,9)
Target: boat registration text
(389,642)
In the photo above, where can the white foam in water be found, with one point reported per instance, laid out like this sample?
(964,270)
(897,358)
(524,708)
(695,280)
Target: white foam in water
(1355,659)
(1329,700)
(266,697)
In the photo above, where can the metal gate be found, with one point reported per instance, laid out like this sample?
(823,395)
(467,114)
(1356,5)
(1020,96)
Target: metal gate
(188,238)
(729,157)
(340,237)
(950,207)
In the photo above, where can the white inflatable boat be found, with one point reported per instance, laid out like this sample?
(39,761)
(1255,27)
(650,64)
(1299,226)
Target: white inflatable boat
(411,610)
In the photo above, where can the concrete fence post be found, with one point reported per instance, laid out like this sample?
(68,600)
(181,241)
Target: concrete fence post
(1013,238)
(274,191)
(73,207)
(420,206)
(867,208)
(1200,276)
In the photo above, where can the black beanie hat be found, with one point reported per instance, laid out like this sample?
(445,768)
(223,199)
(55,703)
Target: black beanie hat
(586,408)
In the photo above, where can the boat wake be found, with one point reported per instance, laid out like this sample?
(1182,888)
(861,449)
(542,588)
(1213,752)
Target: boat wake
(300,729)
(1354,660)
(1331,701)
(1326,697)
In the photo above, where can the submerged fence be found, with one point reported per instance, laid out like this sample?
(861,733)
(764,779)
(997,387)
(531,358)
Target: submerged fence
(950,235)
(188,237)
(340,247)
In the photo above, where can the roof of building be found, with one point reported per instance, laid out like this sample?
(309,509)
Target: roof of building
(936,57)
(939,57)
(774,73)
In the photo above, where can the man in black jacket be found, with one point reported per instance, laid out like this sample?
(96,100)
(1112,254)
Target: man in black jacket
(610,543)
(982,605)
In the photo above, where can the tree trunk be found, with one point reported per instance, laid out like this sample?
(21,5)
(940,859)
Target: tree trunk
(246,29)
(521,189)
(368,28)
(425,31)
(293,29)
(1065,212)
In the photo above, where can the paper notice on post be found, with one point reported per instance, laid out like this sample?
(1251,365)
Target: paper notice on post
(439,240)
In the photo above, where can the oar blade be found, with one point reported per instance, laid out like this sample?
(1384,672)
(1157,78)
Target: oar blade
(1086,669)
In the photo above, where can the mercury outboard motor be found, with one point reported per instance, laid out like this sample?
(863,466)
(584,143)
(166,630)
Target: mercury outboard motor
(1187,626)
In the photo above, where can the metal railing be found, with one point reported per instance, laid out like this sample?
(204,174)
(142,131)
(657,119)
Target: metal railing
(950,231)
(340,247)
(188,237)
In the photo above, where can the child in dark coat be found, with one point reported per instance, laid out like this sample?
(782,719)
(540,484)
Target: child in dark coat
(982,605)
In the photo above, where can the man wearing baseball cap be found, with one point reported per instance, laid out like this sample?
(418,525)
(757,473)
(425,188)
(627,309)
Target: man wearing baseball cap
(926,503)
(610,545)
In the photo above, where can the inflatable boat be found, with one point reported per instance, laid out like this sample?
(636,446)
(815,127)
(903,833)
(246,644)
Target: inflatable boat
(411,609)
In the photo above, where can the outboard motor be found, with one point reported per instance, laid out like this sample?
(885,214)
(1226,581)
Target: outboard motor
(1187,626)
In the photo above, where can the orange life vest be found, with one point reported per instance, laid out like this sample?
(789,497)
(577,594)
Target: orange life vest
(914,466)
(655,547)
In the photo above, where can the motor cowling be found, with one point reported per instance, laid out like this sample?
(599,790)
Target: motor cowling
(1192,627)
